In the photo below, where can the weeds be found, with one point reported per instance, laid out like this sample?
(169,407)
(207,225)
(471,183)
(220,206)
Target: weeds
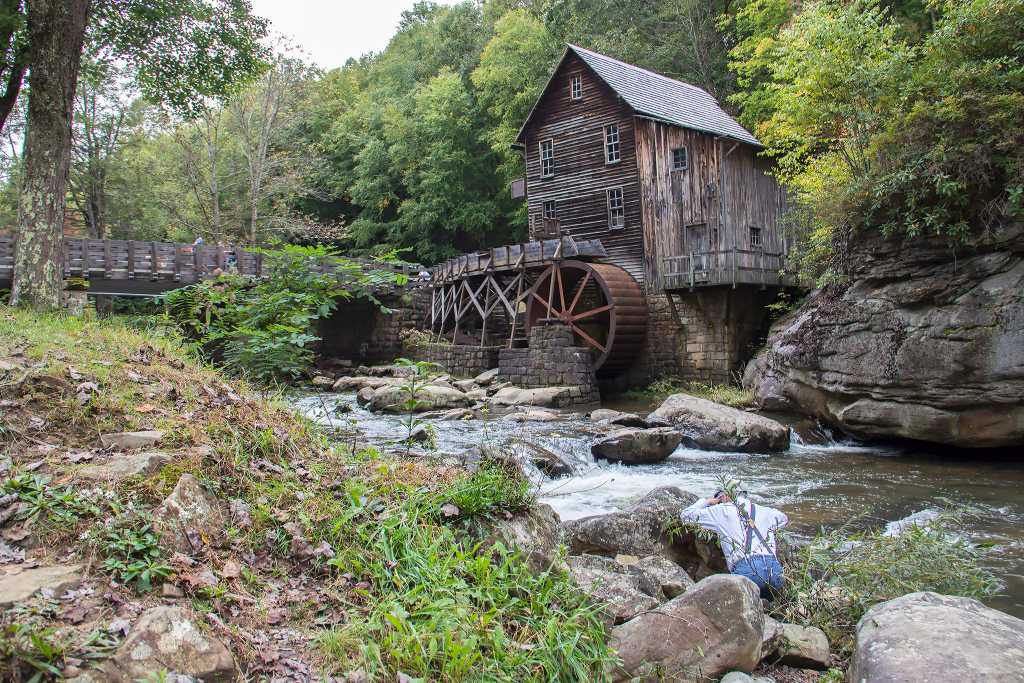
(131,551)
(833,580)
(414,383)
(53,508)
(439,609)
(30,653)
(726,394)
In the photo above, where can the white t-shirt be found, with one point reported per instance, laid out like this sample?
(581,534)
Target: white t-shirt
(724,519)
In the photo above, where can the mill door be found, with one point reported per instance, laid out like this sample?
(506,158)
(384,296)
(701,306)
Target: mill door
(702,242)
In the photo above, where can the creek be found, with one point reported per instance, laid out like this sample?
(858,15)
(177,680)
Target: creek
(828,484)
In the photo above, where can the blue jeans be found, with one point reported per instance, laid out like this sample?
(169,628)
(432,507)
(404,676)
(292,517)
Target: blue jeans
(764,570)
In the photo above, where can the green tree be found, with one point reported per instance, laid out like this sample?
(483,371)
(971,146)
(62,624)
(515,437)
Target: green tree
(180,52)
(874,128)
(448,170)
(514,67)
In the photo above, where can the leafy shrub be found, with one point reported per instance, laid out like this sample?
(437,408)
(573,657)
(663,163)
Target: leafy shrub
(877,127)
(264,329)
(833,580)
(494,487)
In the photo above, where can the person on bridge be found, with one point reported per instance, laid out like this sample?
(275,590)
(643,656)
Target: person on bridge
(746,533)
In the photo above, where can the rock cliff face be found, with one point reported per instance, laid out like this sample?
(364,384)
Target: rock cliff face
(923,343)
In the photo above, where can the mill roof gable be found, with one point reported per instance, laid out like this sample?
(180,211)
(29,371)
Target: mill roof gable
(655,96)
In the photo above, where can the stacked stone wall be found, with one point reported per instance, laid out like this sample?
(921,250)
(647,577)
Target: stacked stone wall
(552,359)
(460,360)
(710,337)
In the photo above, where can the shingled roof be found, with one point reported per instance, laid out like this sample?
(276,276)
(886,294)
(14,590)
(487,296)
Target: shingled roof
(661,98)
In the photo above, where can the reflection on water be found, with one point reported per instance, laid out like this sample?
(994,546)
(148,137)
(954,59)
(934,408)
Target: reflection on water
(818,486)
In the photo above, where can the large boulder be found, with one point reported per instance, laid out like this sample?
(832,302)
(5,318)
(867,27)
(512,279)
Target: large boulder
(639,530)
(170,639)
(712,426)
(19,583)
(923,342)
(391,398)
(671,579)
(545,397)
(637,446)
(535,533)
(711,629)
(190,518)
(932,637)
(622,591)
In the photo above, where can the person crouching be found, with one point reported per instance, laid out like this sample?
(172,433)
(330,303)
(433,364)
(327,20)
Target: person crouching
(746,533)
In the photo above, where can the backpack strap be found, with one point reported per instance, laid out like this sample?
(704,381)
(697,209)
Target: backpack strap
(748,543)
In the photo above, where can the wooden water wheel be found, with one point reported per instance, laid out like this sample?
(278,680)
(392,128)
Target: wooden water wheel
(602,304)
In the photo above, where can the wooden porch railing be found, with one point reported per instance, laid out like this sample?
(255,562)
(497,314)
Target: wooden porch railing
(725,267)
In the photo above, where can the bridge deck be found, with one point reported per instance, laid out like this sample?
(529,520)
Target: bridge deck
(136,268)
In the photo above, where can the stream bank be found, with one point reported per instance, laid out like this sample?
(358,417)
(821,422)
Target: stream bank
(821,485)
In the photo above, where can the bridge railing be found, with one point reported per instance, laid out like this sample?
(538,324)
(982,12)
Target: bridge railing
(167,263)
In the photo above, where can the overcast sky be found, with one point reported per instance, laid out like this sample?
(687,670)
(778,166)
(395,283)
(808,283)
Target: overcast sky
(331,31)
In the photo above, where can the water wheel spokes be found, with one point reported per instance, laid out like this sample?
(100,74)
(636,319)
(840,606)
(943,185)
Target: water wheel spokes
(602,305)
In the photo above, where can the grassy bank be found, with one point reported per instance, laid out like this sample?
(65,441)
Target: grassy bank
(334,560)
(658,391)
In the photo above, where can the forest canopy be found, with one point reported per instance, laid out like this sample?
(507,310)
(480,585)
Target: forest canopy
(903,116)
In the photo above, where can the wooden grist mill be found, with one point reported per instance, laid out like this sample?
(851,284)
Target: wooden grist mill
(655,228)
(494,298)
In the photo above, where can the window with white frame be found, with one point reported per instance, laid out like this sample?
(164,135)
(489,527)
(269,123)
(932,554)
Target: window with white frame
(679,160)
(576,87)
(550,210)
(755,237)
(612,149)
(616,208)
(547,158)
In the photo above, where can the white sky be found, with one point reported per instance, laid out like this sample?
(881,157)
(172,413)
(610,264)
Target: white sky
(331,31)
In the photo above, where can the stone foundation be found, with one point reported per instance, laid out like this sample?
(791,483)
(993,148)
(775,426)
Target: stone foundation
(552,360)
(360,332)
(710,339)
(460,360)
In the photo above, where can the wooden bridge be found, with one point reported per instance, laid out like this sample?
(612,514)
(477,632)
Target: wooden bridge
(137,268)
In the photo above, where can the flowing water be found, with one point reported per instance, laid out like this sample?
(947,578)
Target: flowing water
(818,486)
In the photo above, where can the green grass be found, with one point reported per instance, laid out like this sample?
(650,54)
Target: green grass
(441,608)
(726,394)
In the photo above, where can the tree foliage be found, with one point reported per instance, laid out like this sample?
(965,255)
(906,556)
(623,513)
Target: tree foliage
(265,329)
(879,122)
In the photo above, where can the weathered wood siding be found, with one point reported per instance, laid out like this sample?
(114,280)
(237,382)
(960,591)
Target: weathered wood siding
(710,206)
(581,176)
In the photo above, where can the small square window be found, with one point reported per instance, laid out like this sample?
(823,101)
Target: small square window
(576,87)
(616,208)
(755,237)
(612,148)
(679,160)
(547,158)
(550,210)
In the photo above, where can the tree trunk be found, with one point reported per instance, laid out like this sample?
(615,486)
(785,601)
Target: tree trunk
(56,30)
